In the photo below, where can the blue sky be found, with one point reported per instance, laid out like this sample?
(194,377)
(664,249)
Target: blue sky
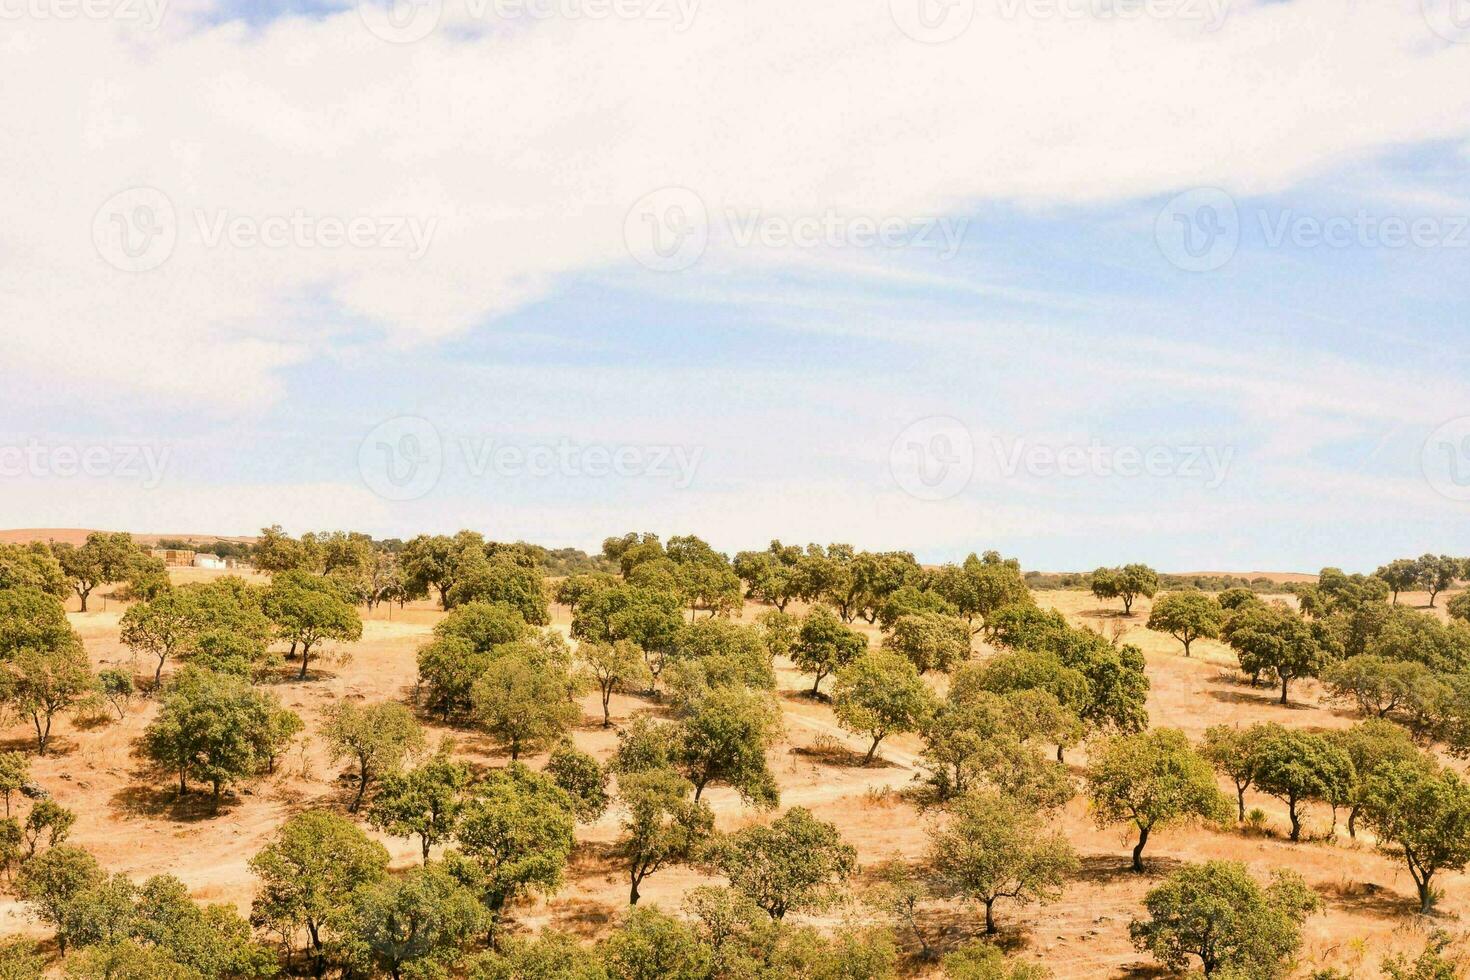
(1293,395)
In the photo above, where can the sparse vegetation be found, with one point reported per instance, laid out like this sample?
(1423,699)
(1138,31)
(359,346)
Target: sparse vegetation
(959,670)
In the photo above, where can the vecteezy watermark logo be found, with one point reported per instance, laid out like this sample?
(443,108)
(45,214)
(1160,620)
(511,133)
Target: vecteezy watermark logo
(139,230)
(1199,230)
(1364,229)
(1450,19)
(676,465)
(668,229)
(147,14)
(401,21)
(136,230)
(1211,13)
(933,459)
(830,229)
(406,21)
(1209,465)
(932,21)
(402,459)
(1445,459)
(145,463)
(409,234)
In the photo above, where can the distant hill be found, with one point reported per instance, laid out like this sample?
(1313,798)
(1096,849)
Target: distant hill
(1283,577)
(78,536)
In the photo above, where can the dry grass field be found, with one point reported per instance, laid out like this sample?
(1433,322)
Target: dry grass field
(128,817)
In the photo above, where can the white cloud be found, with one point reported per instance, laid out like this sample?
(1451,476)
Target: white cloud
(528,143)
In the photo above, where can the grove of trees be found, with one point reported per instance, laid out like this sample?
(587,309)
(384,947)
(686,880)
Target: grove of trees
(491,761)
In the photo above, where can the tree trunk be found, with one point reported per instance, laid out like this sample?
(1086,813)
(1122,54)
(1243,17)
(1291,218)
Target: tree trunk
(1284,682)
(1138,849)
(1186,647)
(1426,896)
(1240,803)
(1296,823)
(305,659)
(817,686)
(606,714)
(872,751)
(633,892)
(83,594)
(990,929)
(362,781)
(1353,823)
(1061,753)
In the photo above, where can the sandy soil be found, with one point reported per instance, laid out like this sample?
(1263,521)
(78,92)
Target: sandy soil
(128,817)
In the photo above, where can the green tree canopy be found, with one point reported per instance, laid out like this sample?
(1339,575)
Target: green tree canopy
(103,559)
(825,645)
(1298,767)
(1276,640)
(995,847)
(930,640)
(376,738)
(1151,779)
(52,881)
(881,694)
(32,566)
(1187,616)
(664,824)
(521,700)
(502,580)
(581,777)
(423,802)
(1422,816)
(515,834)
(40,683)
(796,863)
(308,872)
(217,729)
(1216,912)
(309,610)
(32,620)
(724,737)
(409,925)
(1126,583)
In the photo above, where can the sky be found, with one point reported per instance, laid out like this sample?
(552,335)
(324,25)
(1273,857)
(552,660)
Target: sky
(1085,281)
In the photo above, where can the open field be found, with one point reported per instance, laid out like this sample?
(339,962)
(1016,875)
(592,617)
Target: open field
(128,817)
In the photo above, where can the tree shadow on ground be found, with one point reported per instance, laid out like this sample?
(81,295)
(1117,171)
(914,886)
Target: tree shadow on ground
(827,750)
(156,803)
(1261,697)
(24,744)
(1104,612)
(290,673)
(1370,899)
(1107,869)
(583,917)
